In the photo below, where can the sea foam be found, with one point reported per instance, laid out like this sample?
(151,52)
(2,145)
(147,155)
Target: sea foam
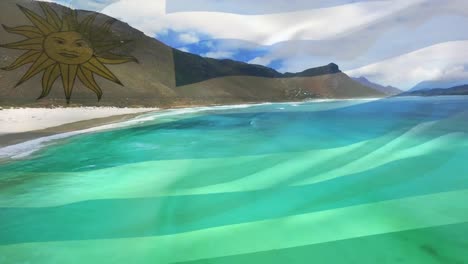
(24,149)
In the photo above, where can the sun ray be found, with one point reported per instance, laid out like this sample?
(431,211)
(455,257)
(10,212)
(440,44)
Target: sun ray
(110,58)
(105,27)
(104,46)
(85,25)
(102,32)
(69,21)
(51,16)
(97,67)
(67,48)
(27,31)
(68,73)
(51,74)
(38,21)
(28,57)
(27,44)
(87,78)
(39,65)
(74,15)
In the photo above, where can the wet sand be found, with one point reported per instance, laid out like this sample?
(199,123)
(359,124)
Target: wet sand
(16,138)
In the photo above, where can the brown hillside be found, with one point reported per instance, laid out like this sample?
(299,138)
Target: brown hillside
(152,81)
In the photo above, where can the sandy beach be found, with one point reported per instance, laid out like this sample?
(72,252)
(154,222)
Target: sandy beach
(22,124)
(18,125)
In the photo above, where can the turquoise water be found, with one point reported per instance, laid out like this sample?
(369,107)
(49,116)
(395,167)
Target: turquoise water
(353,181)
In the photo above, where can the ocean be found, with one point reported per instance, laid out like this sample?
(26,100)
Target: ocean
(332,181)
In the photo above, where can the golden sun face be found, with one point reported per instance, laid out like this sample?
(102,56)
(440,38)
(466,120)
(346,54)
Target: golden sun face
(68,47)
(63,47)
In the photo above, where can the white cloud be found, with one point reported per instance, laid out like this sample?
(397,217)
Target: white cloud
(218,54)
(445,61)
(411,29)
(188,38)
(261,60)
(312,24)
(208,44)
(184,49)
(252,7)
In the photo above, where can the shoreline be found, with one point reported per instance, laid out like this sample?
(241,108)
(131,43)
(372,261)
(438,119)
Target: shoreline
(24,143)
(21,144)
(21,137)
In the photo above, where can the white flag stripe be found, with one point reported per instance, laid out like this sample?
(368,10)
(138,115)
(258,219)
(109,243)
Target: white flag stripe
(307,229)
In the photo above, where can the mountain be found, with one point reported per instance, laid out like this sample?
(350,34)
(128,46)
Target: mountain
(331,68)
(457,90)
(388,90)
(437,84)
(123,67)
(192,68)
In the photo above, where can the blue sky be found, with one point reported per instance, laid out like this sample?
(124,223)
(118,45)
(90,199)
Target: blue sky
(393,42)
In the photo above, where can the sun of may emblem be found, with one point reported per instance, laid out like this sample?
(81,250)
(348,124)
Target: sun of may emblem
(64,47)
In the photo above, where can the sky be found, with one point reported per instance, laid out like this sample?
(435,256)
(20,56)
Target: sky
(391,42)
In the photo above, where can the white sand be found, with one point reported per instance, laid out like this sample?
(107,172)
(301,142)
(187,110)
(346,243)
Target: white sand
(16,120)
